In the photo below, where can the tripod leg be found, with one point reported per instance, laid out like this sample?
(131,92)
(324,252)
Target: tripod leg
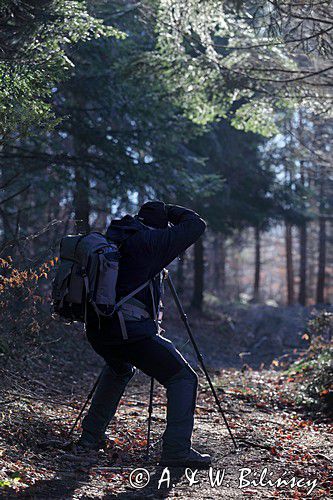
(150,412)
(199,356)
(90,395)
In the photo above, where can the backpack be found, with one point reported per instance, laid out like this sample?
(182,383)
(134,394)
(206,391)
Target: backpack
(87,273)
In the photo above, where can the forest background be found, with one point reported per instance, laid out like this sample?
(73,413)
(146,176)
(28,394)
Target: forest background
(221,106)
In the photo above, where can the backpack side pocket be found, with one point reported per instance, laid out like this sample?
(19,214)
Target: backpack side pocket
(60,286)
(76,286)
(107,278)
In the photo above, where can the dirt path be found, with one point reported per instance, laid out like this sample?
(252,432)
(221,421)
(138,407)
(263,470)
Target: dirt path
(39,405)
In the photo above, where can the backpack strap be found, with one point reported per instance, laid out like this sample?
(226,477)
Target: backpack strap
(130,295)
(117,309)
(118,305)
(86,286)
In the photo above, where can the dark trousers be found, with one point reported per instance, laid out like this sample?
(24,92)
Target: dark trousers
(158,358)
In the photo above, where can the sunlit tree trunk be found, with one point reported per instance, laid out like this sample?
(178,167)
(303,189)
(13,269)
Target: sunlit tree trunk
(302,294)
(197,298)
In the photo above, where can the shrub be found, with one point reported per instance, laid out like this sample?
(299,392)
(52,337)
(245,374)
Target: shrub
(313,371)
(23,295)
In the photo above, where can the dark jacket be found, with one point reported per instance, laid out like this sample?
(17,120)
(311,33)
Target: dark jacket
(144,254)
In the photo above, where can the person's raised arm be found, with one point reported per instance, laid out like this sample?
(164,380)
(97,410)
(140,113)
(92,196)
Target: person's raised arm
(165,245)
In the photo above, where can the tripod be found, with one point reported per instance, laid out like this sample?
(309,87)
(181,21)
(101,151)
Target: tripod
(183,316)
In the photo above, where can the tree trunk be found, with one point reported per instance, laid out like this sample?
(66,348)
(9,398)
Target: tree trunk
(312,264)
(223,260)
(6,229)
(312,252)
(197,298)
(320,295)
(302,296)
(257,267)
(217,263)
(5,247)
(81,201)
(289,264)
(320,299)
(82,187)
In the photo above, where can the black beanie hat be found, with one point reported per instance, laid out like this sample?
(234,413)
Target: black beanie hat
(153,214)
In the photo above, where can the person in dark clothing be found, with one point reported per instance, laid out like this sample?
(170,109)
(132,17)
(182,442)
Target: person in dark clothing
(148,243)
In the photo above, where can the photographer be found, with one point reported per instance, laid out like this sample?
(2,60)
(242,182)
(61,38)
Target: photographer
(148,242)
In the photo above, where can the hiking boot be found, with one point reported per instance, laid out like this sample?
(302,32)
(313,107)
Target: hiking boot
(87,442)
(193,459)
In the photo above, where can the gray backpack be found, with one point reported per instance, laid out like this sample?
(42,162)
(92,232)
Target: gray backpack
(87,274)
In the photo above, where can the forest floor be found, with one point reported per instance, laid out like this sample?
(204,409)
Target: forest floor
(277,437)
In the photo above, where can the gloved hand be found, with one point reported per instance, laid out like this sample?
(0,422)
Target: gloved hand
(175,213)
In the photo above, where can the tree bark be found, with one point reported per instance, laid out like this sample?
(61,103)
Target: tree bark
(197,298)
(289,264)
(257,267)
